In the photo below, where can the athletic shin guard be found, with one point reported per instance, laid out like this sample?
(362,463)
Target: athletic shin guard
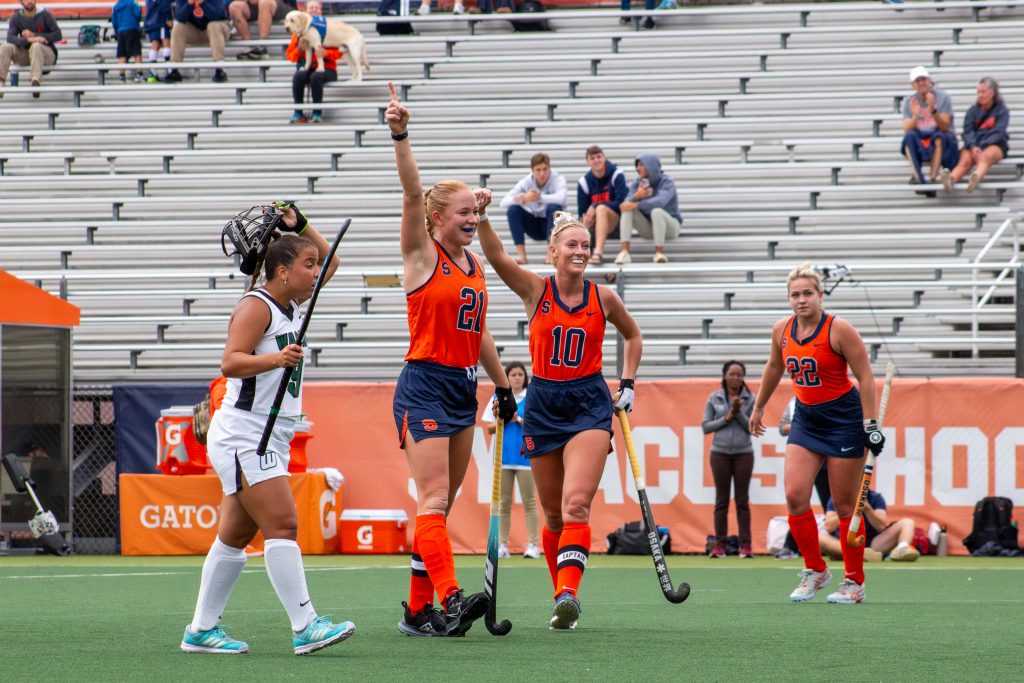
(573,551)
(421,589)
(853,558)
(221,570)
(550,541)
(431,536)
(284,567)
(805,532)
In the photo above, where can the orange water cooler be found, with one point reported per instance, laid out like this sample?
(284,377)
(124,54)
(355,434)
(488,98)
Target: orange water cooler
(374,532)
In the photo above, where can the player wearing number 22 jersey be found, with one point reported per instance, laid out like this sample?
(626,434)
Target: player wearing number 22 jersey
(828,418)
(568,393)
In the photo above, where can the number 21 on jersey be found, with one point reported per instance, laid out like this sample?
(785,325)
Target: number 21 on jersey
(471,312)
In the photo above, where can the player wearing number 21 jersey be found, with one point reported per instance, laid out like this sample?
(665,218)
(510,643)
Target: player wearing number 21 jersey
(832,419)
(568,416)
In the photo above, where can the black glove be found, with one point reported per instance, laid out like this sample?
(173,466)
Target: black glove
(507,409)
(300,218)
(874,440)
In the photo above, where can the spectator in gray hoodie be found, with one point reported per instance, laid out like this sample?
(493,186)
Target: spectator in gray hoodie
(32,36)
(727,415)
(531,205)
(652,207)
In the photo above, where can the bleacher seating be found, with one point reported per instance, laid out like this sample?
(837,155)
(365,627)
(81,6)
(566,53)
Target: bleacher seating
(779,123)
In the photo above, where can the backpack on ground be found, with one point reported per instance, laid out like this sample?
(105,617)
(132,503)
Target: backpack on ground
(527,26)
(392,8)
(994,530)
(631,539)
(89,34)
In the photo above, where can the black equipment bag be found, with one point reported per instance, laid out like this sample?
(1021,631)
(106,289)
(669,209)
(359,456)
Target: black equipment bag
(631,539)
(994,526)
(530,6)
(391,8)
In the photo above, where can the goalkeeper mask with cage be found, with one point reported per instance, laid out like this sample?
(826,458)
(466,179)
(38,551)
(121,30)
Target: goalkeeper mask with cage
(249,233)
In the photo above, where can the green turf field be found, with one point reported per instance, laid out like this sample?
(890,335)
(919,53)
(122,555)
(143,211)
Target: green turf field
(111,618)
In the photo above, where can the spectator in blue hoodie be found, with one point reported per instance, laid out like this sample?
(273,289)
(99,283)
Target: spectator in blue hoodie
(199,22)
(598,196)
(125,19)
(986,137)
(652,207)
(531,205)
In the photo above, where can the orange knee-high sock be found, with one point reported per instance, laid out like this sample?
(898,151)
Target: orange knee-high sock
(805,532)
(421,588)
(853,558)
(431,537)
(549,539)
(573,551)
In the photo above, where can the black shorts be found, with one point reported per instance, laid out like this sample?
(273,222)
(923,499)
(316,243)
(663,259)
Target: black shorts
(556,411)
(434,401)
(129,44)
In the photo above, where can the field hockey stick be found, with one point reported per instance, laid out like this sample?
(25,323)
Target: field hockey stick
(673,595)
(275,408)
(852,538)
(491,570)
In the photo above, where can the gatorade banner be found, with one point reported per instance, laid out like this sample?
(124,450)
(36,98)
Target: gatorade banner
(178,515)
(949,443)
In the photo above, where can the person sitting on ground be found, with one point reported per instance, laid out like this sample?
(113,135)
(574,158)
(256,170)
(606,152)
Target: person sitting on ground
(598,196)
(928,128)
(125,18)
(32,36)
(531,205)
(312,78)
(199,22)
(267,13)
(986,137)
(882,536)
(652,207)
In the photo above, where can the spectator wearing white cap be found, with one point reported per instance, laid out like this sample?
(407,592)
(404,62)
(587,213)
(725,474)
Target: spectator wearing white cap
(929,135)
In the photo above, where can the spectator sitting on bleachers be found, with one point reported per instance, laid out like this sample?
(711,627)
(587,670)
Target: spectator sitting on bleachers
(986,137)
(424,9)
(500,7)
(652,207)
(882,536)
(267,12)
(531,205)
(598,196)
(312,78)
(198,22)
(32,36)
(649,22)
(157,25)
(929,134)
(125,19)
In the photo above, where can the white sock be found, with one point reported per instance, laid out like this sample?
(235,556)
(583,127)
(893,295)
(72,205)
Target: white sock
(166,53)
(284,567)
(220,572)
(901,545)
(152,55)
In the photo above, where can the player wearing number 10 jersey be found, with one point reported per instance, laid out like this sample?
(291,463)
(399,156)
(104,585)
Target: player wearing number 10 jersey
(832,419)
(568,415)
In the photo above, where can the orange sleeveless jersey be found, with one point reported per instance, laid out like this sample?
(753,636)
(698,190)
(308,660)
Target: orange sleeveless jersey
(819,374)
(446,314)
(566,343)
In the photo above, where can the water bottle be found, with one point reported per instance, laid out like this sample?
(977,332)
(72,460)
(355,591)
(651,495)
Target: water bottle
(943,548)
(14,79)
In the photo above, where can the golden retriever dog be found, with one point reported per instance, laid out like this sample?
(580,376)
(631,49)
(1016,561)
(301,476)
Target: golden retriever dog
(337,34)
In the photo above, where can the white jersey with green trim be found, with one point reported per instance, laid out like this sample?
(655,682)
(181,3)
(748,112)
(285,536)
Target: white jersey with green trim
(256,394)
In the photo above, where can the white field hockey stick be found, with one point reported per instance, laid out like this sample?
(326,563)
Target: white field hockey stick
(852,538)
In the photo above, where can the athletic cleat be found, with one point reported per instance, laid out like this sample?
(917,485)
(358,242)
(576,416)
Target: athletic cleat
(849,593)
(212,641)
(428,622)
(907,553)
(566,613)
(321,633)
(461,610)
(810,583)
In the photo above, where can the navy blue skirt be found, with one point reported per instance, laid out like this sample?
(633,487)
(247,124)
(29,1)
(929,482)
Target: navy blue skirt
(434,401)
(834,428)
(557,410)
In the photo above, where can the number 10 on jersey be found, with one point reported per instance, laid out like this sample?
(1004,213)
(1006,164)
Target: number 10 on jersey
(567,348)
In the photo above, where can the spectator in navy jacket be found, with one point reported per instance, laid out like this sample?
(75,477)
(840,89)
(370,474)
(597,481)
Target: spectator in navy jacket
(598,196)
(32,36)
(986,137)
(199,22)
(652,207)
(157,25)
(125,19)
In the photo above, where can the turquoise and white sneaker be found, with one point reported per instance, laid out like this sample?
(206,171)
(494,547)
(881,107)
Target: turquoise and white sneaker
(566,613)
(212,641)
(321,633)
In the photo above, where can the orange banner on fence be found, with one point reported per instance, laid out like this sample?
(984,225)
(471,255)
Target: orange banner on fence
(178,515)
(949,443)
